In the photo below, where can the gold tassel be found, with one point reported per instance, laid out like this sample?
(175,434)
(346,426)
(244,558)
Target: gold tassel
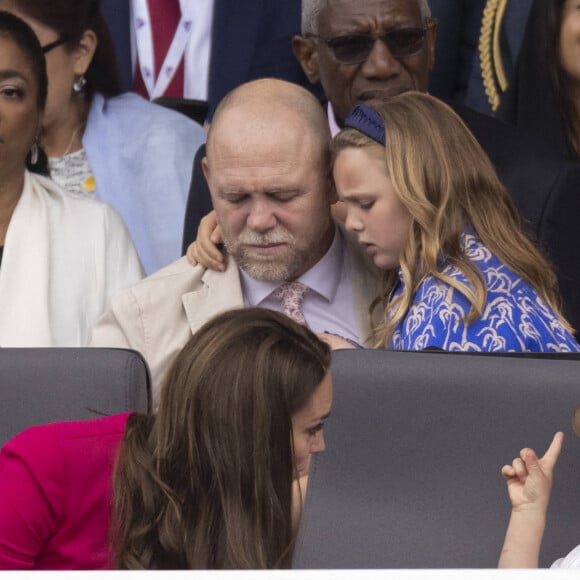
(492,70)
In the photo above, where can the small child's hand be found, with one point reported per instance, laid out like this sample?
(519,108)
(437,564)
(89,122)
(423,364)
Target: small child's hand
(205,250)
(529,479)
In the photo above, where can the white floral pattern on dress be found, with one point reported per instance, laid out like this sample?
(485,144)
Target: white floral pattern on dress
(514,319)
(71,172)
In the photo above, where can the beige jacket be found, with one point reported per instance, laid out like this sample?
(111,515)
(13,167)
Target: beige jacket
(158,315)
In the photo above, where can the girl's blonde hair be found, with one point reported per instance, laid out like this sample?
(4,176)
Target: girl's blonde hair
(448,184)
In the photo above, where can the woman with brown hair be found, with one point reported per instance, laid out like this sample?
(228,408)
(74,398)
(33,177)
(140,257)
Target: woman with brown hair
(62,257)
(214,479)
(425,201)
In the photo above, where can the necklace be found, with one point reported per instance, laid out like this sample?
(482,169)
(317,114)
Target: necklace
(71,141)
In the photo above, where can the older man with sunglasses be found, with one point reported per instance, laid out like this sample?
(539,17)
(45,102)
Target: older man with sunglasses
(379,48)
(339,48)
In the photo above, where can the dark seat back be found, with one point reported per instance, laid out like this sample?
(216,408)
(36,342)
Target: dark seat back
(194,109)
(45,385)
(415,443)
(198,201)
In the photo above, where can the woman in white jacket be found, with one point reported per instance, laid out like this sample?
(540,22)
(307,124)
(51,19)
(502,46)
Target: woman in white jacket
(61,255)
(117,148)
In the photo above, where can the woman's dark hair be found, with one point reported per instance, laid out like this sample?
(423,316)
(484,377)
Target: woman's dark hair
(206,482)
(23,36)
(558,78)
(69,19)
(539,95)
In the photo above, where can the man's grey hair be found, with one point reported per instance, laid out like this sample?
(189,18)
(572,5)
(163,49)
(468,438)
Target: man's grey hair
(311,11)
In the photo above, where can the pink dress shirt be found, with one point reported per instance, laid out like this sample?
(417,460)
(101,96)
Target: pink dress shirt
(56,495)
(329,306)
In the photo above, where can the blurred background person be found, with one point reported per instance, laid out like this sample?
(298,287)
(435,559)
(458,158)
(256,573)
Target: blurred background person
(458,23)
(219,44)
(61,256)
(117,148)
(544,97)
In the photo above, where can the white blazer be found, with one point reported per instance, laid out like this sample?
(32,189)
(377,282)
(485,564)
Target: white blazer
(64,256)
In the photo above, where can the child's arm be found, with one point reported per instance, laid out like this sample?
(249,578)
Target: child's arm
(206,248)
(529,483)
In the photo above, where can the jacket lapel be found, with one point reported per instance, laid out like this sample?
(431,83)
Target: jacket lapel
(219,291)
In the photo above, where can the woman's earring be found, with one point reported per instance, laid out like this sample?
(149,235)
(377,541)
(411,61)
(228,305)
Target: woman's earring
(34,152)
(79,84)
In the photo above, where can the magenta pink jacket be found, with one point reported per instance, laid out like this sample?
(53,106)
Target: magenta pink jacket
(55,495)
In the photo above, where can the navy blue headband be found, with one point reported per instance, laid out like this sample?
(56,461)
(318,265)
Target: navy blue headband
(367,121)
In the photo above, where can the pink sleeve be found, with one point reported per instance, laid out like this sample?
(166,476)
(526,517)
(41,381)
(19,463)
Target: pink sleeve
(31,497)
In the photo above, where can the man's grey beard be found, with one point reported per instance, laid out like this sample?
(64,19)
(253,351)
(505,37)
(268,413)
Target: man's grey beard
(267,268)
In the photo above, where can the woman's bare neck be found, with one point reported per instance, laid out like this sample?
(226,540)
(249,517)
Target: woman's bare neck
(65,135)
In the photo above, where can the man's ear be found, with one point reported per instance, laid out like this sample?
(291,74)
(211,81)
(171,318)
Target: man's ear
(205,168)
(306,53)
(85,52)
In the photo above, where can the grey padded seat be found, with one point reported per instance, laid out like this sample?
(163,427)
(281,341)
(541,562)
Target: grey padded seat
(45,385)
(414,446)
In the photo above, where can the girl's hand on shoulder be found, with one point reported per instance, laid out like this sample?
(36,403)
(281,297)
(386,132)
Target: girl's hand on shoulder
(205,251)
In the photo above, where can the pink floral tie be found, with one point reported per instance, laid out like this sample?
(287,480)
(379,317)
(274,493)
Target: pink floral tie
(291,295)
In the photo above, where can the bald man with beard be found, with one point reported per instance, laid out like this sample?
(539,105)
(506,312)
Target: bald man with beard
(544,186)
(268,169)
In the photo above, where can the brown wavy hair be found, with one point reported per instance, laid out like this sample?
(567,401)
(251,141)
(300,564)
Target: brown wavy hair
(206,482)
(448,184)
(560,83)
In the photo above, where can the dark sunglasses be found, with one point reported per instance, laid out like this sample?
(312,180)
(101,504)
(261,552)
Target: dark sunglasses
(58,42)
(356,48)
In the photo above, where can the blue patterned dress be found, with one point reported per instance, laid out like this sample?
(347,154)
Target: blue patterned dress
(514,317)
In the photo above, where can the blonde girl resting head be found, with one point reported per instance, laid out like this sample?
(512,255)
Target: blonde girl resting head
(425,201)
